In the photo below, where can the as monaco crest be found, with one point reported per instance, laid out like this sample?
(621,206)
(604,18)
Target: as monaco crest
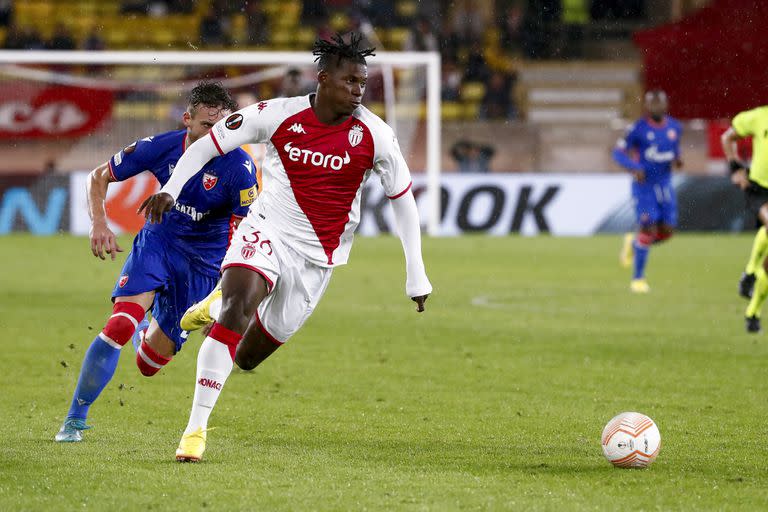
(123,280)
(209,181)
(248,251)
(355,135)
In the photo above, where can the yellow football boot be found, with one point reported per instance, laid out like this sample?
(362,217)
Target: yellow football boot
(199,315)
(627,251)
(639,286)
(191,446)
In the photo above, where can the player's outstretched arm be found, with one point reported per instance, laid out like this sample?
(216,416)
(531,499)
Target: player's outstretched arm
(417,285)
(193,159)
(103,240)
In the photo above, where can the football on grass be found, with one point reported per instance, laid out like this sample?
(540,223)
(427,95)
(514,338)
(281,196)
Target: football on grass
(631,440)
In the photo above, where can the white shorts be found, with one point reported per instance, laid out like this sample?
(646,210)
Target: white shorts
(295,285)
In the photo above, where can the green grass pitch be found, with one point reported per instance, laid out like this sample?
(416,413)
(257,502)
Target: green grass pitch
(494,399)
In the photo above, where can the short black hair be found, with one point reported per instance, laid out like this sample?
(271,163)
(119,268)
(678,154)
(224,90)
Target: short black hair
(210,93)
(331,53)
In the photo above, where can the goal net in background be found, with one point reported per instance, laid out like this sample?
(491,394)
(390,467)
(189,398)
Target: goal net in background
(68,112)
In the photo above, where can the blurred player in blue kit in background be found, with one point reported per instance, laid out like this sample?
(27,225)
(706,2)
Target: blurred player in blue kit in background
(172,265)
(649,150)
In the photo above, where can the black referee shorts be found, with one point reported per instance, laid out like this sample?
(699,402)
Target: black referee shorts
(756,196)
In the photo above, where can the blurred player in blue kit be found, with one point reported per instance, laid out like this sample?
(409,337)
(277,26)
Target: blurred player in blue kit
(172,265)
(649,150)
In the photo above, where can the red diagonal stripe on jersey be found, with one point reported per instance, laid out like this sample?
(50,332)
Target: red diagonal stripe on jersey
(325,195)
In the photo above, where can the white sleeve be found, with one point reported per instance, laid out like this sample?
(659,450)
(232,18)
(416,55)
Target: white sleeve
(193,159)
(409,231)
(390,165)
(246,125)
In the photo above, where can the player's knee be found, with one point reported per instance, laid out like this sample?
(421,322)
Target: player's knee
(122,324)
(149,361)
(645,237)
(235,312)
(246,362)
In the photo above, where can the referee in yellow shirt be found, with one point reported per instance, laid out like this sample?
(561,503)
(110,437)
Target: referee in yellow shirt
(753,180)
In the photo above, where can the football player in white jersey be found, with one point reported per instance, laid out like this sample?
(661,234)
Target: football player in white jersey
(320,150)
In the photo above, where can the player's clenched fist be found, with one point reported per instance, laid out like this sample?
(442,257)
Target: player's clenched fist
(155,206)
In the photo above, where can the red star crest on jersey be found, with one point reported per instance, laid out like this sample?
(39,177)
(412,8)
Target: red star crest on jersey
(209,181)
(123,280)
(671,134)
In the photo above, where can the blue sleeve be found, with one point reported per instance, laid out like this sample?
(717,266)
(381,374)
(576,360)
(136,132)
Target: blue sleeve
(620,154)
(132,160)
(243,185)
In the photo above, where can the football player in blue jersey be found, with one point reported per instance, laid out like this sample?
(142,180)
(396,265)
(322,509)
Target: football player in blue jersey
(649,150)
(172,265)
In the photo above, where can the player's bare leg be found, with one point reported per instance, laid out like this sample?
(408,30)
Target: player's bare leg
(254,348)
(155,350)
(242,292)
(101,360)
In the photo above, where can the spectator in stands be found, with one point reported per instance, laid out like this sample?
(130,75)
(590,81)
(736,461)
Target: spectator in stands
(94,41)
(476,66)
(472,157)
(451,81)
(421,38)
(497,102)
(314,12)
(450,43)
(62,39)
(294,84)
(574,16)
(257,24)
(511,28)
(6,13)
(134,7)
(212,29)
(26,38)
(381,13)
(181,6)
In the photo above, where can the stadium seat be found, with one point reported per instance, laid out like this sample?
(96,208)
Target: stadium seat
(472,91)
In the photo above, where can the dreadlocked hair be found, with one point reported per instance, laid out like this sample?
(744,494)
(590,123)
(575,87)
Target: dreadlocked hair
(325,51)
(212,94)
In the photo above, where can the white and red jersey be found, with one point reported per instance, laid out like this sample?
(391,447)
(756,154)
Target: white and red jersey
(313,173)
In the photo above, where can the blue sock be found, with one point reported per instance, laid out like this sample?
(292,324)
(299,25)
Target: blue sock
(641,256)
(98,368)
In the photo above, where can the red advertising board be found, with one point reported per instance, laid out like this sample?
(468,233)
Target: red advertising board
(56,111)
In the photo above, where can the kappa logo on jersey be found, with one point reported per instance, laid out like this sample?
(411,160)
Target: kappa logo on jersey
(123,280)
(248,251)
(234,121)
(355,135)
(209,181)
(297,128)
(316,158)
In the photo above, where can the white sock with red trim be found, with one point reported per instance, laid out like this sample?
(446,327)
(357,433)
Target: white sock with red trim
(214,364)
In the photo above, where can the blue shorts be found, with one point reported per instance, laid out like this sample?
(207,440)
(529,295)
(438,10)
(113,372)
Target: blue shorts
(158,265)
(655,203)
